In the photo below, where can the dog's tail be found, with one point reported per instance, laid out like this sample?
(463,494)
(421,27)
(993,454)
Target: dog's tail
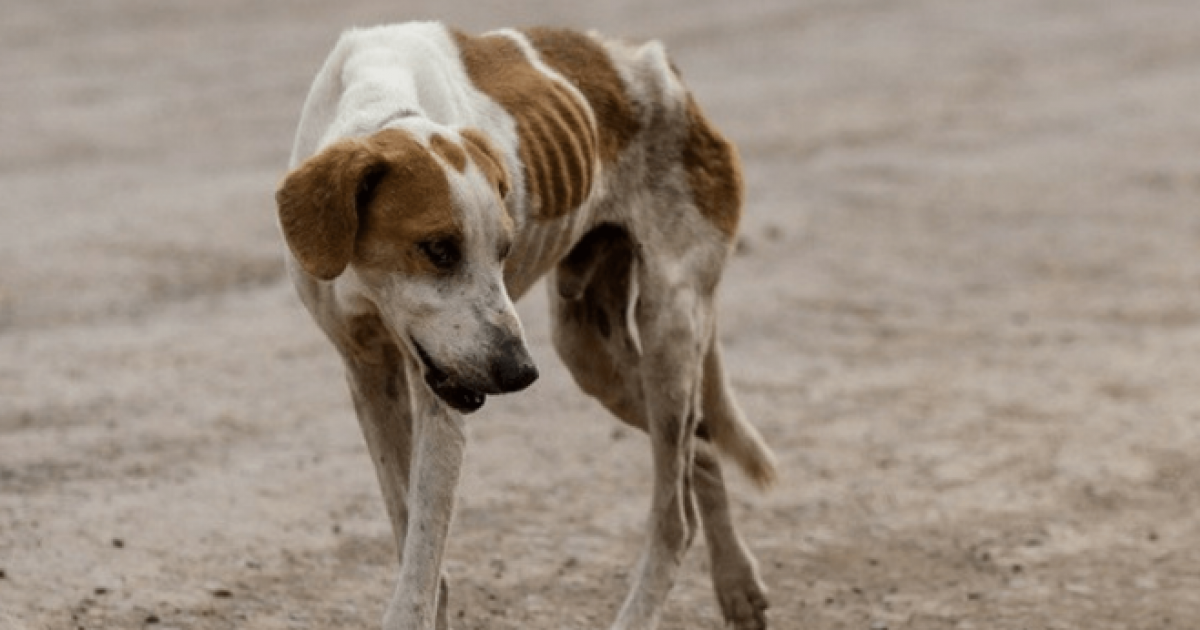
(727,426)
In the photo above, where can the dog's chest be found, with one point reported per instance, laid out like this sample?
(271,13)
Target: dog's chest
(540,245)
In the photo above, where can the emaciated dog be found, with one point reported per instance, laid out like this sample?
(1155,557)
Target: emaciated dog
(435,177)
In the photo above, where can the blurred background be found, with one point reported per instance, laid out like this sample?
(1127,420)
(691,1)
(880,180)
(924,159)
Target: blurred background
(964,310)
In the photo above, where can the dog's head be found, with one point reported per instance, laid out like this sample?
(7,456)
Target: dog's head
(422,226)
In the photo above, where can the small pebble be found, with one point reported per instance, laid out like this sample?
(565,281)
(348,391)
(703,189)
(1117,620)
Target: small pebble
(743,247)
(118,543)
(152,619)
(100,590)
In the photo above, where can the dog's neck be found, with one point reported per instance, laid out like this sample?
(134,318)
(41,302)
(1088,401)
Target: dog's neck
(382,97)
(382,89)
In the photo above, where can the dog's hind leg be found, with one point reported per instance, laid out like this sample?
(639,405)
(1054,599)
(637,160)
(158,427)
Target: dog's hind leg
(739,589)
(379,387)
(735,577)
(674,319)
(609,331)
(634,339)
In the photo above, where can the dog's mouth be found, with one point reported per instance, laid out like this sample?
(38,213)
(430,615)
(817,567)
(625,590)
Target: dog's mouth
(461,398)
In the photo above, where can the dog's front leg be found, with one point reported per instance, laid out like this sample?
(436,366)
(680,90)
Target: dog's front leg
(439,442)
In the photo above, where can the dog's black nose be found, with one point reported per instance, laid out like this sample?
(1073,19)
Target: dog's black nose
(514,369)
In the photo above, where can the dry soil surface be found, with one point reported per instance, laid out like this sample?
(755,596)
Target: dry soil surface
(965,311)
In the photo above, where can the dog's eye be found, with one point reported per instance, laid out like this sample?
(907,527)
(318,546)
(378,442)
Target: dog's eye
(443,253)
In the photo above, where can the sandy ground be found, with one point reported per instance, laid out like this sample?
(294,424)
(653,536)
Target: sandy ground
(965,312)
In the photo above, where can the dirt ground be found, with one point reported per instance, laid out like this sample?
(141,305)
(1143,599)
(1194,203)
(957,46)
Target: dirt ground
(965,312)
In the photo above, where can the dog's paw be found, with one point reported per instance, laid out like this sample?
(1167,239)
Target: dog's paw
(743,602)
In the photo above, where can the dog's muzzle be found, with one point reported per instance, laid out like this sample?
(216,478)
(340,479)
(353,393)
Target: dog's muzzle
(512,371)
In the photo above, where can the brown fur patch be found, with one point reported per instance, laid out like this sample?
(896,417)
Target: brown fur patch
(714,171)
(318,206)
(409,204)
(584,62)
(558,145)
(487,158)
(449,151)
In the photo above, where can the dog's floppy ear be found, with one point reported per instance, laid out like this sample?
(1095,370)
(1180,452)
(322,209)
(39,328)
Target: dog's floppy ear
(487,158)
(319,205)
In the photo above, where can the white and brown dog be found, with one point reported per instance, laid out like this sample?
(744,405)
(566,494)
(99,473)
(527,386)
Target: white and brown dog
(435,177)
